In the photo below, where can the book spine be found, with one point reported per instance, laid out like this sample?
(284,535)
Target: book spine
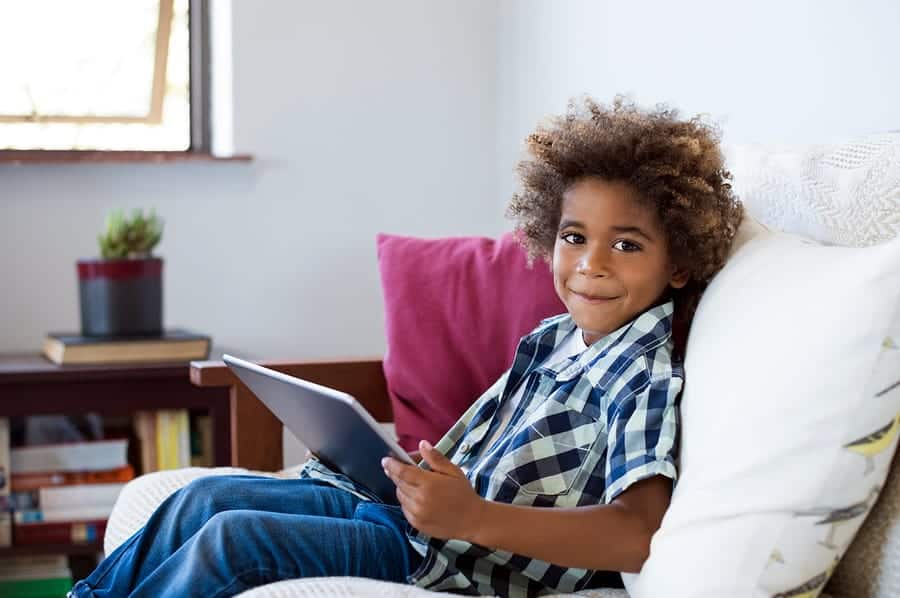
(61,497)
(21,501)
(34,566)
(37,587)
(78,513)
(96,455)
(25,482)
(145,430)
(5,463)
(5,484)
(202,442)
(183,437)
(68,532)
(167,439)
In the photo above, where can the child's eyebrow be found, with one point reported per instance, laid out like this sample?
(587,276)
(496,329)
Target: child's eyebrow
(631,229)
(567,223)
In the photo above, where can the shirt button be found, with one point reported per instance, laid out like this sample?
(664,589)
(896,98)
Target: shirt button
(464,447)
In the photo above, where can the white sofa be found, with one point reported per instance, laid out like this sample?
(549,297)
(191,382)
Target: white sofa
(783,188)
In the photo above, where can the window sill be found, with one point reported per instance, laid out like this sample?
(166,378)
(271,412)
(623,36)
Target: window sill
(111,157)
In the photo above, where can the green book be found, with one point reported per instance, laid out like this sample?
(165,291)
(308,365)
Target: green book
(35,588)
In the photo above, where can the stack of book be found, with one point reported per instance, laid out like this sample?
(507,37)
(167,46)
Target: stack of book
(63,493)
(173,438)
(37,576)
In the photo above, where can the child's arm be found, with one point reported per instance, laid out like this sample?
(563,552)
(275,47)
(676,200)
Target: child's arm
(613,537)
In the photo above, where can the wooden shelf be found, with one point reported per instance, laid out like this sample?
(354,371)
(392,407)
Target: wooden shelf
(22,157)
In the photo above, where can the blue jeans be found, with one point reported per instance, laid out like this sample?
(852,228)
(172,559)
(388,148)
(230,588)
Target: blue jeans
(221,535)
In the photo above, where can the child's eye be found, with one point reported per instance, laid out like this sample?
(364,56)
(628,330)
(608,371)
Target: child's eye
(572,238)
(625,245)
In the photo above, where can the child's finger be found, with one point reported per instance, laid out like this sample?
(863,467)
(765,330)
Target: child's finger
(399,472)
(407,496)
(438,461)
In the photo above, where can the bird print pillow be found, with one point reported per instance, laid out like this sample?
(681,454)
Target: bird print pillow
(821,532)
(789,420)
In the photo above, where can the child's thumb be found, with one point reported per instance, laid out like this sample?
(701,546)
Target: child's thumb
(437,460)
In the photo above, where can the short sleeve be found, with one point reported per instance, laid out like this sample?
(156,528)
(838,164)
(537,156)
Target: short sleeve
(641,441)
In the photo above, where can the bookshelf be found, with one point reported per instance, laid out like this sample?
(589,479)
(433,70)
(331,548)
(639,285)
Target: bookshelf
(32,385)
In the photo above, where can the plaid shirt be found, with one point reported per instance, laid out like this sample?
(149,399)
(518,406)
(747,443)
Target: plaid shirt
(585,429)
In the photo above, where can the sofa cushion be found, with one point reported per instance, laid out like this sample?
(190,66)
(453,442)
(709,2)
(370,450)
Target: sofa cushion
(455,309)
(356,587)
(845,193)
(789,419)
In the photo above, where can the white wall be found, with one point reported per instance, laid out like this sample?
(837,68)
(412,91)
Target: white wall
(408,116)
(769,71)
(362,116)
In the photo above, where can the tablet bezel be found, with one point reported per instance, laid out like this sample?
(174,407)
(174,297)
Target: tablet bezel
(397,451)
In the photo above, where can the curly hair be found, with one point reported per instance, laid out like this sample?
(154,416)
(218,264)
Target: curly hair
(675,166)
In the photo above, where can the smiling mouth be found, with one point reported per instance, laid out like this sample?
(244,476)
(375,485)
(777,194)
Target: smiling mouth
(594,299)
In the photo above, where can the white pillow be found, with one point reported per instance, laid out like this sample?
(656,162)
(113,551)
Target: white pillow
(791,361)
(838,193)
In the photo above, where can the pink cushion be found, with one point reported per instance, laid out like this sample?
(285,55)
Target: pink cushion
(455,309)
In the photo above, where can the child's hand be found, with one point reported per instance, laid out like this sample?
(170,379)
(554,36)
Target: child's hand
(441,502)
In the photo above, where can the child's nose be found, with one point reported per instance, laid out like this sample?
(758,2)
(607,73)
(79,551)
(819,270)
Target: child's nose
(593,263)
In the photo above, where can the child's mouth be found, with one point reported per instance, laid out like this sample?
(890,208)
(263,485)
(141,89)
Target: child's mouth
(594,298)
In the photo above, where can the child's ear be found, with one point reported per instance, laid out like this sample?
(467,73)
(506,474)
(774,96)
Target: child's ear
(679,277)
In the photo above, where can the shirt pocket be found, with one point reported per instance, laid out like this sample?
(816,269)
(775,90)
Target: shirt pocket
(551,450)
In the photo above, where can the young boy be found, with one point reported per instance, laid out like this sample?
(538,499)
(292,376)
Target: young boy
(634,212)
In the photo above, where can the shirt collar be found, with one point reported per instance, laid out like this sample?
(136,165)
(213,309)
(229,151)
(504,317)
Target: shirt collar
(650,329)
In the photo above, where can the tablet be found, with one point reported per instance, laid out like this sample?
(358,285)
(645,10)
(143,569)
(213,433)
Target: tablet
(331,423)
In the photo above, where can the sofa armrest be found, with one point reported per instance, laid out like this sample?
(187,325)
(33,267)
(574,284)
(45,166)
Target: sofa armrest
(256,433)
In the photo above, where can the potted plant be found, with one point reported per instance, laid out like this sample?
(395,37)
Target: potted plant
(121,292)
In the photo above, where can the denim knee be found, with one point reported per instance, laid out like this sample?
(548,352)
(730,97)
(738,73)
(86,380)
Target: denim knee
(222,533)
(207,492)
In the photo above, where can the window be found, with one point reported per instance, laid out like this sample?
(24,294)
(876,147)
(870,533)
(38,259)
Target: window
(103,75)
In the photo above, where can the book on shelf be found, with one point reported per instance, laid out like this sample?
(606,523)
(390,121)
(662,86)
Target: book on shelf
(173,449)
(52,587)
(173,438)
(82,501)
(35,576)
(62,515)
(89,455)
(5,465)
(23,482)
(5,484)
(59,532)
(202,448)
(172,345)
(5,529)
(67,497)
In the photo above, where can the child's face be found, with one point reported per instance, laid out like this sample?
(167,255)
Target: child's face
(610,259)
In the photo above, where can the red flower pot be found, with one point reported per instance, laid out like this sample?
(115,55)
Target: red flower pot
(120,297)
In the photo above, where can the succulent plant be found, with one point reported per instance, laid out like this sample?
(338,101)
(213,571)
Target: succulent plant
(133,237)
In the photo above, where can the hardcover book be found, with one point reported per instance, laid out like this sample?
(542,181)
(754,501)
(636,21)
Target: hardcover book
(35,576)
(91,455)
(63,532)
(5,476)
(172,345)
(24,482)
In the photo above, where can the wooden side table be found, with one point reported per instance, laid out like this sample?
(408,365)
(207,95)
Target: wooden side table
(33,385)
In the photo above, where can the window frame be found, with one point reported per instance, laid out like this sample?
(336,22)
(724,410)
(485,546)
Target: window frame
(200,146)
